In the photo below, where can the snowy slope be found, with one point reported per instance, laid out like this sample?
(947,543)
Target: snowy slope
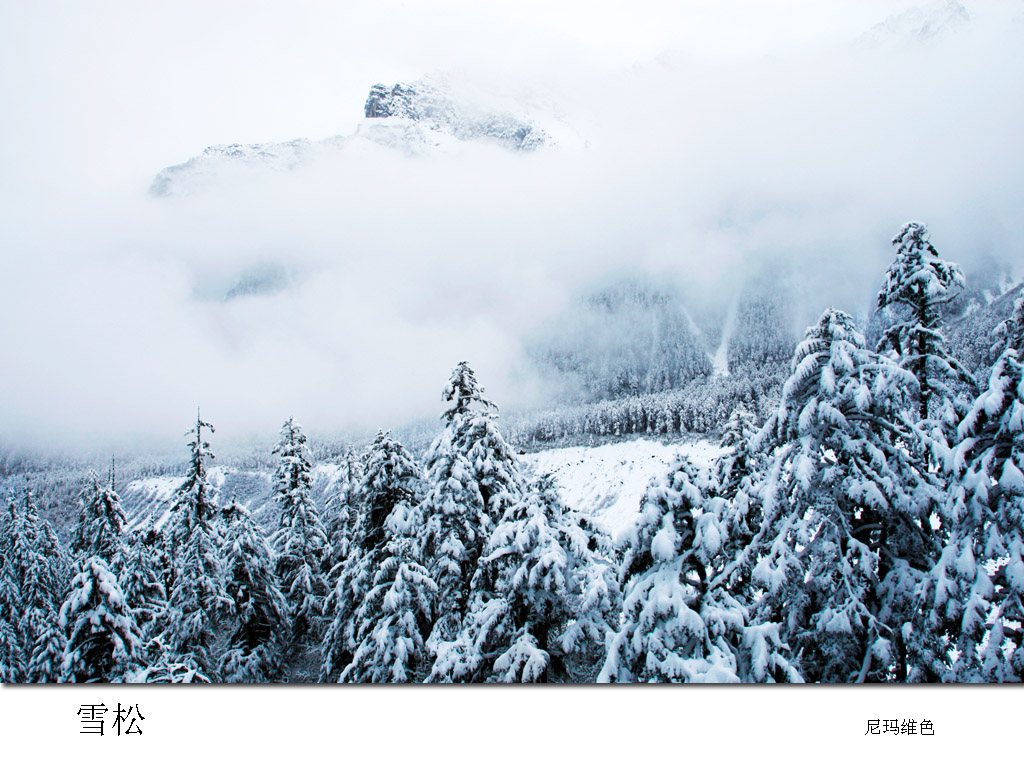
(607,482)
(253,489)
(720,361)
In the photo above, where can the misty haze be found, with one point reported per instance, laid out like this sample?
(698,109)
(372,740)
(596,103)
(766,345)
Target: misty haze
(674,344)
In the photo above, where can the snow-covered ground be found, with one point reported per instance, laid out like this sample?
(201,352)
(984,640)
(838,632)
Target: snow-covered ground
(253,489)
(151,495)
(608,482)
(720,361)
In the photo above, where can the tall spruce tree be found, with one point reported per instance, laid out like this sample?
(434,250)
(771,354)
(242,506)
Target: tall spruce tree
(103,640)
(473,477)
(917,286)
(12,652)
(38,567)
(260,609)
(196,597)
(100,523)
(340,520)
(392,481)
(530,585)
(300,543)
(45,662)
(141,580)
(678,623)
(455,529)
(844,531)
(396,614)
(977,587)
(737,464)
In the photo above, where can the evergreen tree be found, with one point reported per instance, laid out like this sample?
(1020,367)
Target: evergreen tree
(12,654)
(255,647)
(396,614)
(100,524)
(12,658)
(977,586)
(734,466)
(464,395)
(343,510)
(917,285)
(528,587)
(141,580)
(455,529)
(598,607)
(195,502)
(392,481)
(846,501)
(473,477)
(102,636)
(37,568)
(1010,333)
(470,417)
(301,540)
(679,624)
(196,596)
(47,657)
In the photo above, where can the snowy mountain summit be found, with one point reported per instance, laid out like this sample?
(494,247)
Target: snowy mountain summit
(920,23)
(411,118)
(428,104)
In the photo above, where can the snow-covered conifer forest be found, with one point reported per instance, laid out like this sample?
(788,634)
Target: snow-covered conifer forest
(705,367)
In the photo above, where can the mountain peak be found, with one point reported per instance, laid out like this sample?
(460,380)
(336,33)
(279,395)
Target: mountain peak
(919,23)
(429,103)
(407,117)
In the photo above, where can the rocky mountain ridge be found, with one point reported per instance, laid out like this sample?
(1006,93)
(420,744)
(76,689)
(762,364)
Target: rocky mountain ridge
(411,118)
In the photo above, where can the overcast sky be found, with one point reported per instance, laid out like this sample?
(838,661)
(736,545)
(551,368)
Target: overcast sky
(702,134)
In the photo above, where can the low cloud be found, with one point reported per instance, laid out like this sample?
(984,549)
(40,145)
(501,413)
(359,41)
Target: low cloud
(391,269)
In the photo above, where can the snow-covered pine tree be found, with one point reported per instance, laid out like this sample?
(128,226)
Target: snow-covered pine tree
(141,580)
(917,285)
(46,659)
(844,532)
(977,587)
(101,521)
(473,477)
(396,615)
(159,548)
(678,625)
(196,596)
(300,543)
(529,587)
(735,465)
(102,637)
(1010,333)
(471,417)
(341,523)
(392,481)
(598,607)
(12,652)
(38,569)
(12,658)
(455,530)
(261,611)
(340,519)
(195,501)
